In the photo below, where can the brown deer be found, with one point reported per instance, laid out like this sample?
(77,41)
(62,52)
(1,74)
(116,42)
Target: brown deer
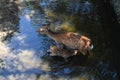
(56,51)
(72,40)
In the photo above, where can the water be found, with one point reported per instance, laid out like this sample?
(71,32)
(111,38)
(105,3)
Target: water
(23,56)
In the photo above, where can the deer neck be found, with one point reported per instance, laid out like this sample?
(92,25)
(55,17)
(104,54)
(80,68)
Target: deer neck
(51,34)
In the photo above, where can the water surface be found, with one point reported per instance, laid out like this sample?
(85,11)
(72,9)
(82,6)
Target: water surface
(24,57)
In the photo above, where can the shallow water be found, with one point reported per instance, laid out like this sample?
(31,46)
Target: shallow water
(23,57)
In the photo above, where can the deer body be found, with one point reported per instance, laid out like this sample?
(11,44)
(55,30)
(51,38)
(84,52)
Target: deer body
(55,51)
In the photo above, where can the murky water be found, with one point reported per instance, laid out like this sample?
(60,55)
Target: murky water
(23,56)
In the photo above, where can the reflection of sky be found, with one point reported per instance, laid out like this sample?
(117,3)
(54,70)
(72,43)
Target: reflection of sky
(27,38)
(22,55)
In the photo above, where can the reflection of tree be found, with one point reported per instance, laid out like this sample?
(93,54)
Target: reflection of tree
(33,12)
(62,14)
(8,19)
(116,5)
(74,14)
(111,29)
(65,14)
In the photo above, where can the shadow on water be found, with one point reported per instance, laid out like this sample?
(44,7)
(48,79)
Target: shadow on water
(24,56)
(111,27)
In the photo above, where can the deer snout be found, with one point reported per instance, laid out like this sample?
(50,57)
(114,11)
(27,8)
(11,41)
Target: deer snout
(40,30)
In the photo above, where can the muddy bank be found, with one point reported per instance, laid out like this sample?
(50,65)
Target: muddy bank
(8,18)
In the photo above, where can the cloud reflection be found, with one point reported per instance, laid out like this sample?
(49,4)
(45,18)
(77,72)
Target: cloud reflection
(22,55)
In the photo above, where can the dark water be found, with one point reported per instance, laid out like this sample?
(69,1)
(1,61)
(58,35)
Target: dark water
(23,56)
